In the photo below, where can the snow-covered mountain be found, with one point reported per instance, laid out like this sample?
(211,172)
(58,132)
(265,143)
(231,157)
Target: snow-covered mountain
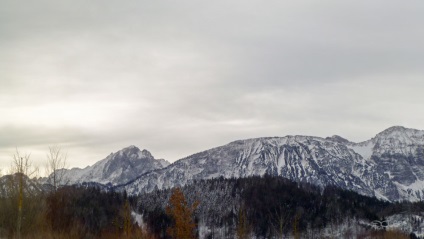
(389,166)
(117,168)
(9,185)
(397,159)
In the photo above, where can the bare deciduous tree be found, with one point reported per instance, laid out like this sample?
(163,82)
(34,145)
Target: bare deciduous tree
(21,168)
(55,168)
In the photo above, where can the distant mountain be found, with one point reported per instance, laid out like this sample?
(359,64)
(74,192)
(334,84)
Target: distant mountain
(117,168)
(389,166)
(9,185)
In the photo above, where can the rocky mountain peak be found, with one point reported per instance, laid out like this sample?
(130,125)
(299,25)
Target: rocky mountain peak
(398,137)
(401,133)
(146,153)
(117,168)
(393,131)
(388,166)
(132,152)
(128,150)
(338,139)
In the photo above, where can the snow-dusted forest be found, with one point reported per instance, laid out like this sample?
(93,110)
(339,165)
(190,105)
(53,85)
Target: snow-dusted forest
(254,207)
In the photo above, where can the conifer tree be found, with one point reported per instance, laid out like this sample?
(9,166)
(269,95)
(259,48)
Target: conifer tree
(182,214)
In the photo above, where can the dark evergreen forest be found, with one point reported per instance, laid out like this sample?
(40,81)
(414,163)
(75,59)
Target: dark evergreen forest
(272,207)
(255,207)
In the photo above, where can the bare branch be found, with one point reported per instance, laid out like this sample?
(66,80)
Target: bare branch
(21,164)
(55,168)
(22,168)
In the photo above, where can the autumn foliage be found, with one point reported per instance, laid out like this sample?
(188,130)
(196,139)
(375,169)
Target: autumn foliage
(181,212)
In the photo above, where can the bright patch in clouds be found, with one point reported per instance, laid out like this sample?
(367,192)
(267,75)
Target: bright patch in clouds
(180,77)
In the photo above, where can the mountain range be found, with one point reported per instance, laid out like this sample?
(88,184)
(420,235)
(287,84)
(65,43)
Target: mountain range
(389,166)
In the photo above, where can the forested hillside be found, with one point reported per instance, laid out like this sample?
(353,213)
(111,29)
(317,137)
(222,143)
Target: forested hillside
(274,207)
(254,207)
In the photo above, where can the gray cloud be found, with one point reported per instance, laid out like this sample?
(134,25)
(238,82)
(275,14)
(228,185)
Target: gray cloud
(180,77)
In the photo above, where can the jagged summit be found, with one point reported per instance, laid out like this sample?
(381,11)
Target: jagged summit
(389,166)
(338,139)
(130,148)
(398,138)
(117,168)
(146,153)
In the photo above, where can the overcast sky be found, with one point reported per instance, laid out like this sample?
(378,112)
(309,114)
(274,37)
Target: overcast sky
(179,77)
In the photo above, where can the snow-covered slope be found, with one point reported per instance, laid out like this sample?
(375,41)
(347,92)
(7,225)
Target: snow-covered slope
(389,166)
(9,185)
(397,156)
(117,168)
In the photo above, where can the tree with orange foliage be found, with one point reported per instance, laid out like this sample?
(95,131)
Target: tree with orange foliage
(182,214)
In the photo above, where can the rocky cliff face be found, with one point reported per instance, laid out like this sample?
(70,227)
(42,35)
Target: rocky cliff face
(389,166)
(117,168)
(397,158)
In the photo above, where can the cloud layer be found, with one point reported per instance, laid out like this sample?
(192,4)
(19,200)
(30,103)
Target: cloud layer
(177,77)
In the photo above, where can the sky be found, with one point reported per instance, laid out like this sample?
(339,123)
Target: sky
(179,77)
